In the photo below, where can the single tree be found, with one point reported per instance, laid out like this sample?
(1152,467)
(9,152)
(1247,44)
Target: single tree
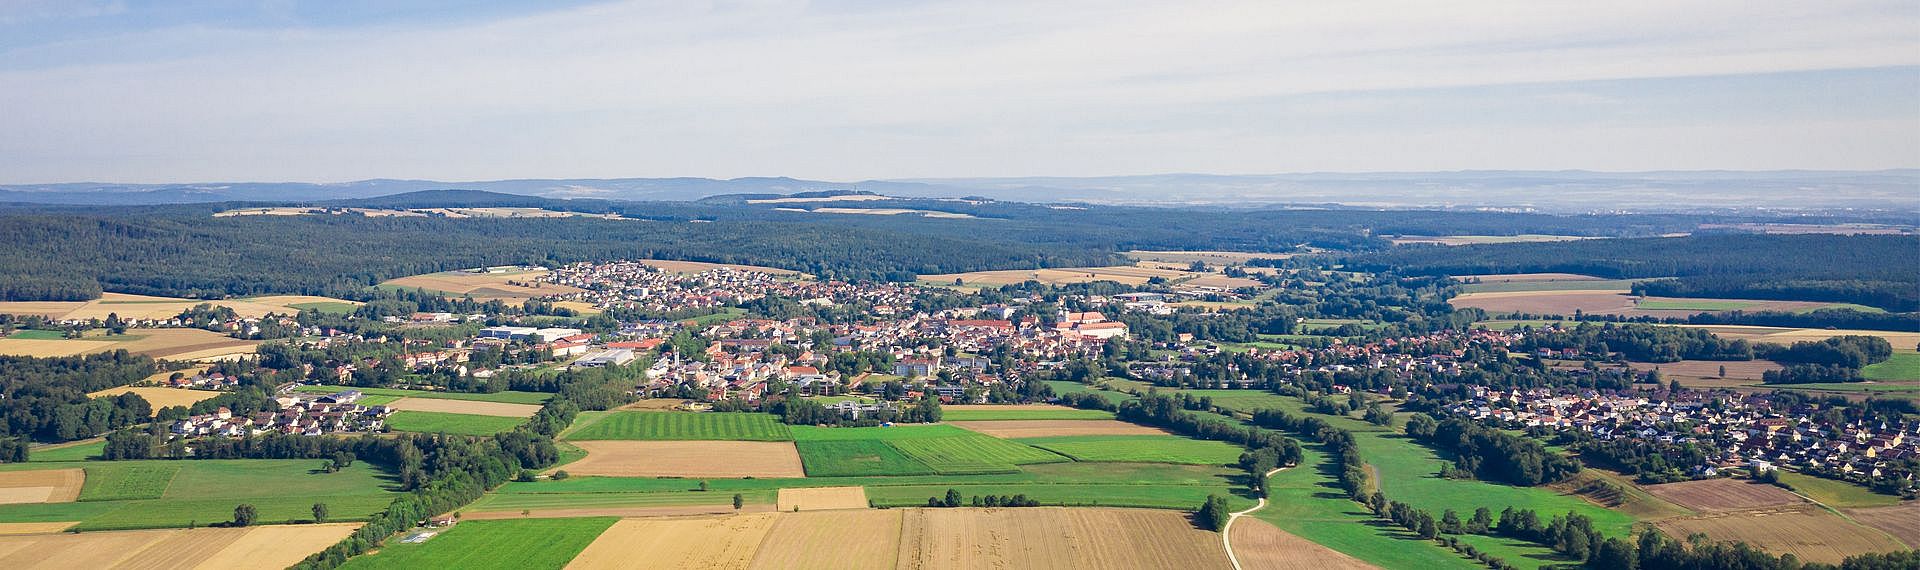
(319,512)
(738,501)
(244,514)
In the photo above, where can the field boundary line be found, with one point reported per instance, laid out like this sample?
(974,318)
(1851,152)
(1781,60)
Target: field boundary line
(1226,532)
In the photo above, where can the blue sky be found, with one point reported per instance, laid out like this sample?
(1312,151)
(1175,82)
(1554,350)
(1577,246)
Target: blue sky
(185,90)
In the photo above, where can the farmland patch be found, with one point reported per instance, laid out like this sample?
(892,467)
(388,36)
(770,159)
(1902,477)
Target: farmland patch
(1259,544)
(684,426)
(1056,538)
(504,544)
(1140,449)
(41,486)
(1723,495)
(160,397)
(688,459)
(462,424)
(821,499)
(1806,531)
(1019,412)
(441,405)
(1049,428)
(720,542)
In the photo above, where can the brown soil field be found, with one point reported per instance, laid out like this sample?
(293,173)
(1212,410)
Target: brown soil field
(699,266)
(999,407)
(688,459)
(1806,531)
(510,286)
(581,307)
(1902,521)
(1601,302)
(1709,495)
(832,540)
(655,404)
(161,397)
(170,344)
(1124,274)
(211,548)
(822,499)
(1527,277)
(10,529)
(1045,428)
(41,486)
(1706,373)
(623,512)
(277,546)
(1046,537)
(502,409)
(715,542)
(1260,545)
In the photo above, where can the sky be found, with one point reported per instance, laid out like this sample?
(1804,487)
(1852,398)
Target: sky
(338,90)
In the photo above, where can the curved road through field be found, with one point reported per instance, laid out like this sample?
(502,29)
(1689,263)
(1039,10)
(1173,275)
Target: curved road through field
(1226,533)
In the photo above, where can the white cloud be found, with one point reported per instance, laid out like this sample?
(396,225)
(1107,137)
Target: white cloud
(948,88)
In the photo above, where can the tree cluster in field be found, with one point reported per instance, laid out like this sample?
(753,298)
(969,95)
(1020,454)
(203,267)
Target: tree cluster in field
(1837,359)
(46,399)
(1650,461)
(954,499)
(1492,454)
(807,412)
(1214,514)
(1170,412)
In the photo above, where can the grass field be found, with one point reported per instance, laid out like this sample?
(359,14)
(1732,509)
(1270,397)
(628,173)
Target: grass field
(1903,366)
(1837,494)
(916,431)
(1143,485)
(463,424)
(1307,501)
(205,491)
(509,396)
(857,458)
(32,334)
(1139,448)
(972,454)
(683,426)
(116,481)
(68,452)
(1065,387)
(506,544)
(953,415)
(335,307)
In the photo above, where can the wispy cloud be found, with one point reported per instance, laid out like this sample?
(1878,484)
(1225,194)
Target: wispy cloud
(856,90)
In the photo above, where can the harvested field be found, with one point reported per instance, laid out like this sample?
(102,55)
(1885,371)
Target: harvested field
(1047,428)
(150,307)
(1259,544)
(697,266)
(832,540)
(1902,521)
(278,546)
(501,409)
(992,412)
(1056,538)
(822,499)
(160,397)
(256,547)
(688,459)
(1709,495)
(1706,373)
(41,486)
(50,348)
(1471,240)
(10,529)
(1222,281)
(721,542)
(506,286)
(1124,274)
(1806,531)
(187,344)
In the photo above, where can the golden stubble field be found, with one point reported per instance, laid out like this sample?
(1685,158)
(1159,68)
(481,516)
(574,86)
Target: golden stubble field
(1604,302)
(208,548)
(934,539)
(821,499)
(718,459)
(170,344)
(41,486)
(150,307)
(510,286)
(1259,544)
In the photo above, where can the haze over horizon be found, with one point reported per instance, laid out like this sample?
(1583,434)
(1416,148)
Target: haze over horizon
(210,90)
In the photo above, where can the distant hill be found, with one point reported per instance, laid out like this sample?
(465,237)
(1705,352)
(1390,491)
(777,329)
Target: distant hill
(1895,191)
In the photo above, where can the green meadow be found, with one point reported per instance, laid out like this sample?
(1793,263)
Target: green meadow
(504,544)
(442,422)
(680,426)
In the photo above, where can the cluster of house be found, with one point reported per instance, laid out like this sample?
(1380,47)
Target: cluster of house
(1736,429)
(636,285)
(299,414)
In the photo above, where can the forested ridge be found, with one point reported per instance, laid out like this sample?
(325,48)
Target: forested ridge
(1874,270)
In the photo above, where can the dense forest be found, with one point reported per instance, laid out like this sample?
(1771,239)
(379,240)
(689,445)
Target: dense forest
(46,398)
(71,253)
(1879,271)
